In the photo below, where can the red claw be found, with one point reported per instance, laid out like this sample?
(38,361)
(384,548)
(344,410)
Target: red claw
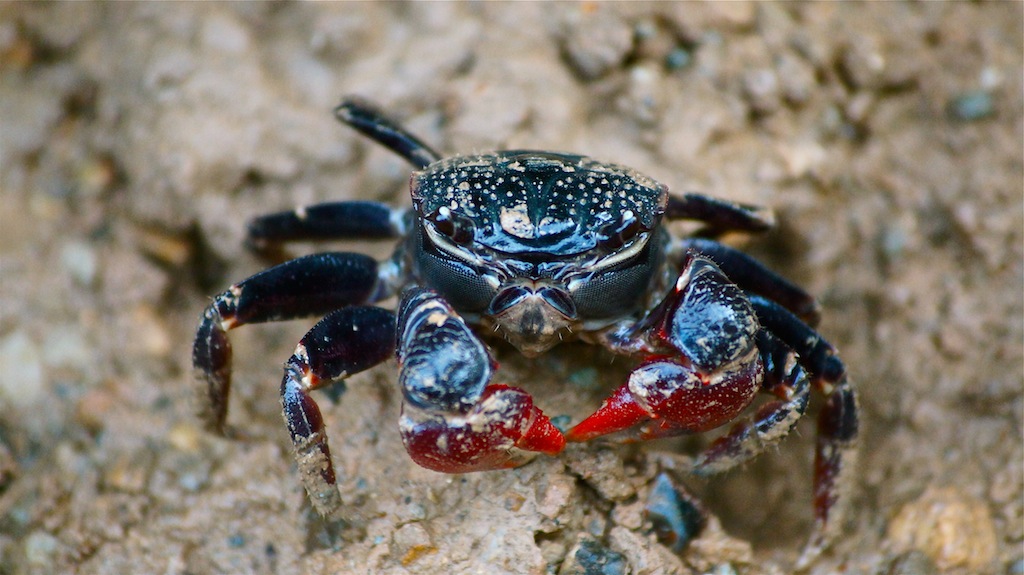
(500,431)
(542,435)
(620,411)
(674,399)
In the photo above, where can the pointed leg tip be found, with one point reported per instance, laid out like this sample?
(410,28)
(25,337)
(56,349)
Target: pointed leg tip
(810,554)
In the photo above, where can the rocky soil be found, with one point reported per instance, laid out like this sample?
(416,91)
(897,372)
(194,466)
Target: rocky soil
(136,140)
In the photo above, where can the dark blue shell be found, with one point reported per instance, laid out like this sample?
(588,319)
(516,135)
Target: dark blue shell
(523,201)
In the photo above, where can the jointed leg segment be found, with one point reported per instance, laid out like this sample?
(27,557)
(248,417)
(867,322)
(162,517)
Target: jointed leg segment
(304,287)
(321,222)
(786,380)
(719,216)
(345,342)
(753,276)
(373,123)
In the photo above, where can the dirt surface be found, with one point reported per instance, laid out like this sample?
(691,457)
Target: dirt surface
(137,139)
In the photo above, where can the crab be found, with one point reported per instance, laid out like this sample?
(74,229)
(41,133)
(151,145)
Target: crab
(536,247)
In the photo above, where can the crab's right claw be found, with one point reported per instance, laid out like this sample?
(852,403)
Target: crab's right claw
(453,419)
(503,430)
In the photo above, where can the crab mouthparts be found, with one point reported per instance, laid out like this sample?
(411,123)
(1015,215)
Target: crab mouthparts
(533,317)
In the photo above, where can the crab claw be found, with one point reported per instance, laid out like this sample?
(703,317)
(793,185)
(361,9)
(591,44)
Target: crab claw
(453,419)
(672,398)
(500,431)
(714,371)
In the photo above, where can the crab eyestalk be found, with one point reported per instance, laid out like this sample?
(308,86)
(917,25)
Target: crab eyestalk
(533,316)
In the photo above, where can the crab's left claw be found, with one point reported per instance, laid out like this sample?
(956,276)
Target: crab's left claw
(711,370)
(453,419)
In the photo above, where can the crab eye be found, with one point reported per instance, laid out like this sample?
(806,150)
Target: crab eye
(507,298)
(457,227)
(616,233)
(559,300)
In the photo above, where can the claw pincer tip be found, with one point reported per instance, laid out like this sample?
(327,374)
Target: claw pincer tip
(618,412)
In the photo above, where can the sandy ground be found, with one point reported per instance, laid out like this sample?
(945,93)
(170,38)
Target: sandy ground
(137,139)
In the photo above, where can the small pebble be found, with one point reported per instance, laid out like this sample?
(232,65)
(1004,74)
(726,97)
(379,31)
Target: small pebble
(95,176)
(676,519)
(561,422)
(192,481)
(79,259)
(22,378)
(796,79)
(185,437)
(603,471)
(93,409)
(912,563)
(66,346)
(951,528)
(862,63)
(630,515)
(643,98)
(678,58)
(411,542)
(150,333)
(893,242)
(597,43)
(40,547)
(129,472)
(169,248)
(588,557)
(514,501)
(761,91)
(803,158)
(597,526)
(990,78)
(971,106)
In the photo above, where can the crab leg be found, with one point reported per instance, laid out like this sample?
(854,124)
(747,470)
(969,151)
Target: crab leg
(838,424)
(345,342)
(785,379)
(453,419)
(812,351)
(307,286)
(835,456)
(754,276)
(328,221)
(720,216)
(373,123)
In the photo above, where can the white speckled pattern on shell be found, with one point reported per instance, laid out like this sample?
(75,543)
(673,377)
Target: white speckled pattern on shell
(524,201)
